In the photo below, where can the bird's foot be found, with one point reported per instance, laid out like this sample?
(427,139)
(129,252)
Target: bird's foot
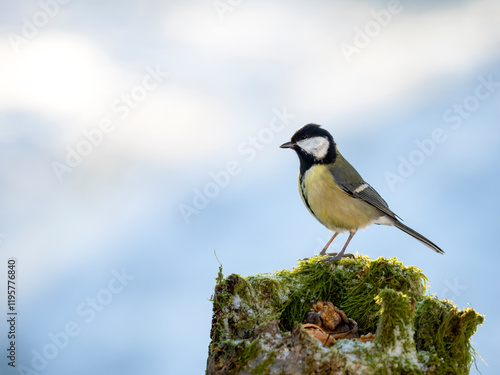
(336,256)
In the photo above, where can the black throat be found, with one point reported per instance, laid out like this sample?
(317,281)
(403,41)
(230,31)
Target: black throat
(307,160)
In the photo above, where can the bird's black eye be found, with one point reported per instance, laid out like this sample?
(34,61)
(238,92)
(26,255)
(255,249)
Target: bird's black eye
(304,136)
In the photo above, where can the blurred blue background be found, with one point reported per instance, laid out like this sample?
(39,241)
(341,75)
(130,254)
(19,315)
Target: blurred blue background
(137,138)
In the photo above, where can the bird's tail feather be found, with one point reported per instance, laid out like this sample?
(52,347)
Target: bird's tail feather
(418,236)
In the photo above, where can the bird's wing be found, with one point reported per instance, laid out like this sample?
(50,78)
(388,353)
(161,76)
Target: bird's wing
(353,184)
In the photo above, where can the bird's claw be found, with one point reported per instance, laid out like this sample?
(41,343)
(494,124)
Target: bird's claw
(330,257)
(336,256)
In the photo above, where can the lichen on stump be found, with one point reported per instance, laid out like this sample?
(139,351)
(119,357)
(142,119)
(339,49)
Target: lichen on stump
(257,322)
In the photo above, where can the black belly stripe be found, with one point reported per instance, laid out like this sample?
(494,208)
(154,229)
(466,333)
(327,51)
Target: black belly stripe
(305,198)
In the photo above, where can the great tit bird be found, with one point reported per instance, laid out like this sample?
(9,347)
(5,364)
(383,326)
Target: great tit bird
(335,193)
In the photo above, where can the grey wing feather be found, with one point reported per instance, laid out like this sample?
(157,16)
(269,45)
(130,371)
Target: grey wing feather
(371,196)
(368,194)
(353,184)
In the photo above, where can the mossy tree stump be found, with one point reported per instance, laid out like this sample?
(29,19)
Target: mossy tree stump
(257,322)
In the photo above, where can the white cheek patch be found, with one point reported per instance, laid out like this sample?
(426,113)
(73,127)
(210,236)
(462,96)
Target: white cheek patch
(316,146)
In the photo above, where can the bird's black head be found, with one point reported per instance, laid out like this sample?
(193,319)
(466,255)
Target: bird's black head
(314,145)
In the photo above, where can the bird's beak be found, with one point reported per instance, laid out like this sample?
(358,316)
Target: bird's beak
(287,145)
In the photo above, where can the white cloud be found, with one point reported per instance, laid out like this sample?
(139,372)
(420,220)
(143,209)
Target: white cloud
(413,49)
(175,124)
(57,75)
(257,31)
(68,78)
(71,81)
(304,58)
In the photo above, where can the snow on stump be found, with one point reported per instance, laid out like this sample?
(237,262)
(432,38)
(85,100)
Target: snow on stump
(353,316)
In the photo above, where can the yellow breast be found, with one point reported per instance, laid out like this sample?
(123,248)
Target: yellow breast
(334,208)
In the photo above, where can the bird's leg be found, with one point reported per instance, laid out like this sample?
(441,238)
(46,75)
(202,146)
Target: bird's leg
(341,254)
(335,256)
(323,252)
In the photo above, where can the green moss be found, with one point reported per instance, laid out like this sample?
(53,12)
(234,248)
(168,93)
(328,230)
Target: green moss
(377,275)
(443,329)
(241,304)
(395,332)
(416,334)
(316,281)
(350,284)
(263,367)
(250,351)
